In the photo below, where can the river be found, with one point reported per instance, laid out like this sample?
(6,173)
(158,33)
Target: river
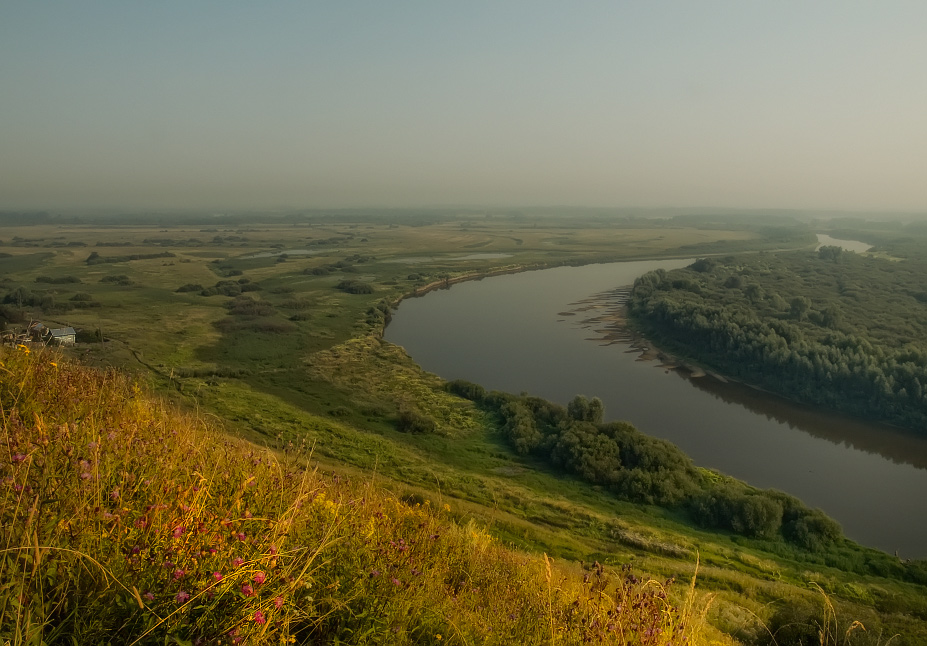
(543,332)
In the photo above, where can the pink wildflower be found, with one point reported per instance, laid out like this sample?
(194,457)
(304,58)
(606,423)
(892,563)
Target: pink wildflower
(247,590)
(278,602)
(217,576)
(259,577)
(182,596)
(237,561)
(178,574)
(178,531)
(259,617)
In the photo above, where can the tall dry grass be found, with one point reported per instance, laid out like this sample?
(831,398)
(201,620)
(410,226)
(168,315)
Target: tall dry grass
(124,521)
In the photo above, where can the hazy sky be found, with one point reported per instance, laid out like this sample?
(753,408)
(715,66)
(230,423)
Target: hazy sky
(182,103)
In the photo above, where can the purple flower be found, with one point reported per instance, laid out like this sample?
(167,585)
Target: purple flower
(178,531)
(247,590)
(217,576)
(259,617)
(178,574)
(259,577)
(182,597)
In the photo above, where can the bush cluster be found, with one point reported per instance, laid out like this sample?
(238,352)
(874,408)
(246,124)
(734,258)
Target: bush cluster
(643,469)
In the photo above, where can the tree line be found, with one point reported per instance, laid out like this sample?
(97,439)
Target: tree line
(829,328)
(642,469)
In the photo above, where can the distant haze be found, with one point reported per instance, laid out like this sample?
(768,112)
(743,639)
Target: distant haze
(235,104)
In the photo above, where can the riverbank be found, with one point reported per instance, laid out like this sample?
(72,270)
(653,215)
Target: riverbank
(531,333)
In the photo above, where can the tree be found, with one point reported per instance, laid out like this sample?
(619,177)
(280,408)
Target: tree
(581,409)
(830,252)
(800,306)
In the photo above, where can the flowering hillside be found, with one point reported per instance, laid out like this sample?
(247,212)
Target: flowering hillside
(125,521)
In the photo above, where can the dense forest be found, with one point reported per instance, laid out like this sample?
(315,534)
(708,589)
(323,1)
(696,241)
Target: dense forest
(828,328)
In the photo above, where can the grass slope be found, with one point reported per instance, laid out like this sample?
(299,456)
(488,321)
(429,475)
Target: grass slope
(123,521)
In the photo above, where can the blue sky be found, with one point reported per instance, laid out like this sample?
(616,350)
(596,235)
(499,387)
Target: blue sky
(309,104)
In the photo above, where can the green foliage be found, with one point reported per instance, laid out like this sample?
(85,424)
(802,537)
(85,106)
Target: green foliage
(413,421)
(581,409)
(634,466)
(355,287)
(120,279)
(852,338)
(58,280)
(643,469)
(95,258)
(466,389)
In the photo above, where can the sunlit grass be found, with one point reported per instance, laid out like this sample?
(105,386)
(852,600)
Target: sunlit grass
(124,521)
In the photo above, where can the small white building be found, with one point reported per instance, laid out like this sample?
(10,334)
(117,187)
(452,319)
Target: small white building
(62,336)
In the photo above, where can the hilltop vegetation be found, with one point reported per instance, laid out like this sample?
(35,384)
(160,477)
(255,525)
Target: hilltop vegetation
(123,521)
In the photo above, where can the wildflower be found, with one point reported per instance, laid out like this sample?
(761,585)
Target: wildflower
(247,590)
(182,597)
(438,637)
(278,602)
(217,576)
(259,577)
(374,573)
(18,457)
(237,561)
(149,597)
(24,348)
(178,531)
(259,617)
(178,574)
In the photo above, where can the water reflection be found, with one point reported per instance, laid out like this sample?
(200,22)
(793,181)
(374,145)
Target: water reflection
(898,445)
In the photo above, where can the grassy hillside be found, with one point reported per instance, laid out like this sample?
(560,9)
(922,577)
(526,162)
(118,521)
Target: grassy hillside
(123,521)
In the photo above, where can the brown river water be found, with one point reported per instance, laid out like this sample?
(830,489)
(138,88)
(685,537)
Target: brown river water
(549,333)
